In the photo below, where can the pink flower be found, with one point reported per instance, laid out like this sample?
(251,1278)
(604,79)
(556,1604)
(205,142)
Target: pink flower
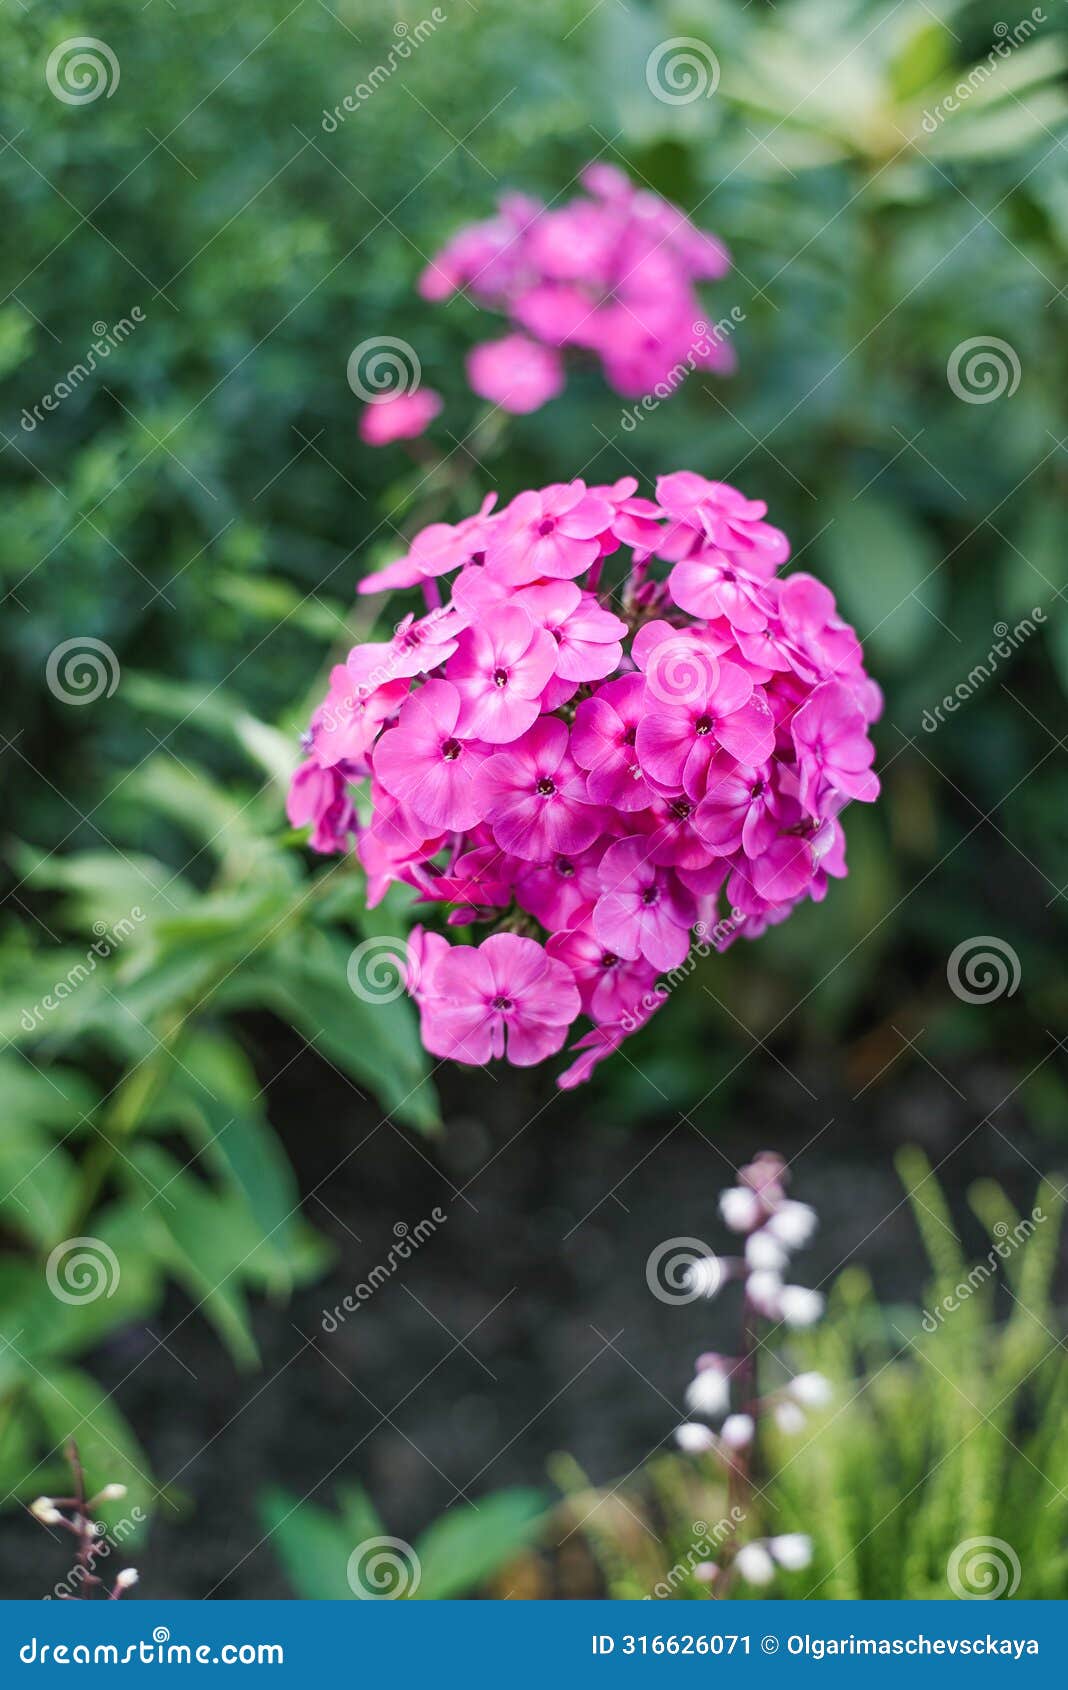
(505,997)
(398,416)
(740,809)
(603,741)
(722,517)
(676,740)
(435,550)
(535,757)
(516,373)
(424,763)
(643,910)
(534,798)
(317,796)
(499,671)
(833,747)
(555,532)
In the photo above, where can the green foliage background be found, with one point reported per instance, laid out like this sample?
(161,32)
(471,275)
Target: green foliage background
(203,506)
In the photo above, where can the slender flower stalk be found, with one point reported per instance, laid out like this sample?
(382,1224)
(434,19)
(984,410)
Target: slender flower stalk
(76,1514)
(727,1388)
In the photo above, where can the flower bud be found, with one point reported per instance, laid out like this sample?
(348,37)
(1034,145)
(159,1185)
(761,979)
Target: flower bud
(793,1224)
(709,1393)
(794,1551)
(755,1564)
(799,1306)
(740,1208)
(764,1253)
(737,1431)
(694,1439)
(788,1418)
(129,1576)
(705,1571)
(111,1493)
(45,1510)
(811,1390)
(764,1291)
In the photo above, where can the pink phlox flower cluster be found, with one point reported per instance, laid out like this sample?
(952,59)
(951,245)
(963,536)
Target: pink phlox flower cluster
(611,273)
(591,774)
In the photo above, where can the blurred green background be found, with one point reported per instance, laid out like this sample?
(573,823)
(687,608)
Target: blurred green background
(202,506)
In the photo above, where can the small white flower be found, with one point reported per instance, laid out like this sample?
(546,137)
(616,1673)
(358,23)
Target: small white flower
(709,1393)
(799,1306)
(763,1253)
(126,1578)
(793,1224)
(740,1208)
(788,1418)
(45,1510)
(794,1551)
(704,1276)
(737,1431)
(705,1571)
(694,1439)
(755,1564)
(111,1493)
(764,1291)
(811,1390)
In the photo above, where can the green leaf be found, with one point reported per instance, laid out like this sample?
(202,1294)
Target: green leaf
(472,1541)
(884,569)
(312,1546)
(72,1405)
(204,1239)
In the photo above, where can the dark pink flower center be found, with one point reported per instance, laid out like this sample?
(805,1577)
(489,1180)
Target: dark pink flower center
(451,749)
(545,787)
(502,1005)
(651,895)
(680,810)
(564,867)
(547,525)
(500,677)
(609,960)
(703,726)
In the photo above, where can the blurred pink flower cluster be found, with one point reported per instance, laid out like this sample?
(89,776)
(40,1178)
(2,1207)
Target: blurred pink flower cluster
(611,273)
(589,772)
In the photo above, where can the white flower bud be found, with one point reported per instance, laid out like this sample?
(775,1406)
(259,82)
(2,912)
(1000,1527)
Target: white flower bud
(764,1291)
(111,1493)
(126,1578)
(811,1390)
(740,1208)
(793,1224)
(799,1306)
(705,1571)
(45,1510)
(704,1276)
(763,1253)
(794,1551)
(737,1431)
(694,1439)
(755,1564)
(788,1418)
(709,1393)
